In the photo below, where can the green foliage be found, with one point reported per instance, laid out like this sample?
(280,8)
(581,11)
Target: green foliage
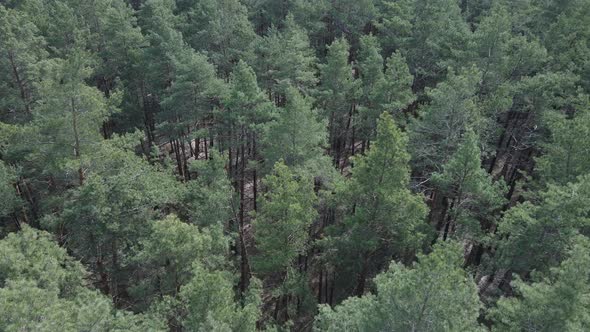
(206,303)
(439,34)
(8,199)
(220,28)
(285,59)
(394,21)
(282,222)
(556,302)
(207,200)
(158,21)
(536,235)
(169,253)
(394,93)
(474,196)
(436,294)
(338,87)
(387,220)
(209,301)
(190,98)
(43,290)
(107,216)
(21,52)
(436,134)
(358,115)
(32,255)
(66,122)
(338,91)
(566,156)
(115,37)
(566,39)
(25,306)
(384,90)
(297,137)
(245,101)
(349,17)
(502,55)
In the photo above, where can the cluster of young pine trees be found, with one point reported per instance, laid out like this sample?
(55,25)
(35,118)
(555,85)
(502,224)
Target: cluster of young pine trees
(325,165)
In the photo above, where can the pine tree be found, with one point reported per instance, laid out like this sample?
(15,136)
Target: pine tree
(153,74)
(282,222)
(565,158)
(207,200)
(337,96)
(112,34)
(349,17)
(436,294)
(9,201)
(21,53)
(68,116)
(297,137)
(436,134)
(394,94)
(168,255)
(557,302)
(535,235)
(105,218)
(431,34)
(386,220)
(566,36)
(388,91)
(285,58)
(188,104)
(207,303)
(220,28)
(370,68)
(395,23)
(501,55)
(471,194)
(43,289)
(437,41)
(281,228)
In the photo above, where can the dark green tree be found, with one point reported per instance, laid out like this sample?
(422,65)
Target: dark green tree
(558,301)
(535,235)
(285,58)
(338,92)
(565,158)
(107,217)
(384,90)
(207,200)
(471,195)
(283,219)
(21,53)
(386,220)
(43,289)
(222,30)
(297,136)
(8,196)
(435,294)
(436,133)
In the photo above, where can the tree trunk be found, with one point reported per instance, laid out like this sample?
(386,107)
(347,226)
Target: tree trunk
(77,142)
(245,268)
(254,175)
(20,83)
(320,285)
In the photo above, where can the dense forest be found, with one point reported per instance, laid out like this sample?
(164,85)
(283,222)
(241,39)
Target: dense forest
(294,165)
